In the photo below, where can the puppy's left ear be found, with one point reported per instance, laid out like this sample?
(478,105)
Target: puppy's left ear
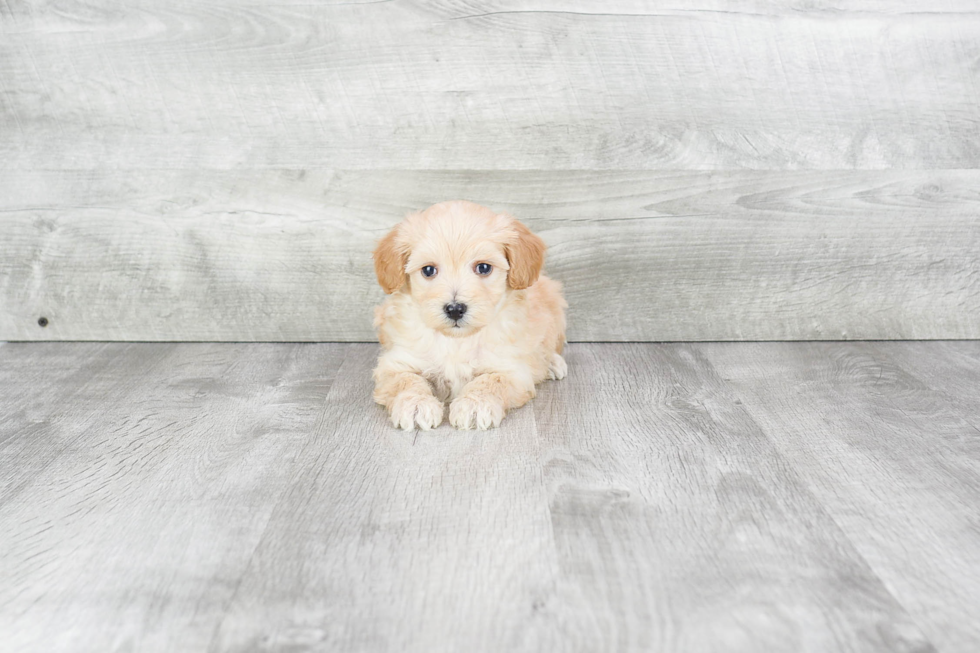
(525,254)
(390,258)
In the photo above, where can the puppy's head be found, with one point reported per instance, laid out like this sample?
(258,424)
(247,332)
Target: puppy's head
(458,260)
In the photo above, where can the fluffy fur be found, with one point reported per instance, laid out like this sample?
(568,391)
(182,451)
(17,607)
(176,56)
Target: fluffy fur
(509,339)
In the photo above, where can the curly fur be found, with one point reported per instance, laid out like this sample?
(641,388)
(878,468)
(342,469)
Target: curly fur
(510,338)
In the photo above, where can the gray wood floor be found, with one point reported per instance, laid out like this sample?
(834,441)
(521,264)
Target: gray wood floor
(697,497)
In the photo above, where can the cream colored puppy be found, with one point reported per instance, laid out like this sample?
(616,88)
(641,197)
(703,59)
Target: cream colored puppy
(468,318)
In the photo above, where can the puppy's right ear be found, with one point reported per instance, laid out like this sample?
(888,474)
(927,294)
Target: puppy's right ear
(390,258)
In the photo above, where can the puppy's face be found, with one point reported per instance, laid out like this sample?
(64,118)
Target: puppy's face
(458,261)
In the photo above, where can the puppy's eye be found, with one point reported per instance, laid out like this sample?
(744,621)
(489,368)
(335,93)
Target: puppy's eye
(483,269)
(429,271)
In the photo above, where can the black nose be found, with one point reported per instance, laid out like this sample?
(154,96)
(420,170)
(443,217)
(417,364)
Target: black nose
(455,311)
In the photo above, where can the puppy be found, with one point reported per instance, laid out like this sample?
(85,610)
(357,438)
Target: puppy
(469,318)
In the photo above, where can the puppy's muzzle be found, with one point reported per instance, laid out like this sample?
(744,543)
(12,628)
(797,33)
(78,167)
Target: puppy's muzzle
(455,312)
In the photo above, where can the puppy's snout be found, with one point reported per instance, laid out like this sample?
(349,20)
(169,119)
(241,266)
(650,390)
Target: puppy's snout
(455,311)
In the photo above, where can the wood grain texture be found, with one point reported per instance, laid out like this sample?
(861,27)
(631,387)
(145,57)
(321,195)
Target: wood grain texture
(81,383)
(219,171)
(895,464)
(736,496)
(394,541)
(679,527)
(950,369)
(500,84)
(234,498)
(644,255)
(161,466)
(237,498)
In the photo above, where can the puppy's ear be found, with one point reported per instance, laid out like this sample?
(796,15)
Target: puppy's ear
(390,258)
(525,253)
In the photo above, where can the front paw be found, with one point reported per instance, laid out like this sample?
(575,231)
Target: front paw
(411,409)
(469,412)
(557,368)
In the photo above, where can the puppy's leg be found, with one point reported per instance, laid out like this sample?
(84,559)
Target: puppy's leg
(486,399)
(408,398)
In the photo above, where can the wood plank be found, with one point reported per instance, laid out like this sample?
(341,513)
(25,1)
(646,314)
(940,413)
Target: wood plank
(285,255)
(133,537)
(78,383)
(679,527)
(232,497)
(394,541)
(950,369)
(500,84)
(896,468)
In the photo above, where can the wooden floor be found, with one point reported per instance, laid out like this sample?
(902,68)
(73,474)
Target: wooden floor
(710,497)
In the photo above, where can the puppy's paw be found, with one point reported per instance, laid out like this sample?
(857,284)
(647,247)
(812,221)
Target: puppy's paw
(474,411)
(411,409)
(557,369)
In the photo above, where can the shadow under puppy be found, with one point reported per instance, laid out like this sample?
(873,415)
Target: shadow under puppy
(469,318)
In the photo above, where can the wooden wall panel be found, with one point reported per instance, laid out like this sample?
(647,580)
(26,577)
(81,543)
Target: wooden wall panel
(490,84)
(644,255)
(746,169)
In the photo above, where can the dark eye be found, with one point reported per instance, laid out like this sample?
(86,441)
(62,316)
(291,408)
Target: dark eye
(483,269)
(429,271)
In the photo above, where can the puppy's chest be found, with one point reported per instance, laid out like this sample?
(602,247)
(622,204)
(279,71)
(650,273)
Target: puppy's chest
(454,366)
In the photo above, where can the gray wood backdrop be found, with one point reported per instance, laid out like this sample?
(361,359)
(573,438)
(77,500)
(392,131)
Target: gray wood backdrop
(703,170)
